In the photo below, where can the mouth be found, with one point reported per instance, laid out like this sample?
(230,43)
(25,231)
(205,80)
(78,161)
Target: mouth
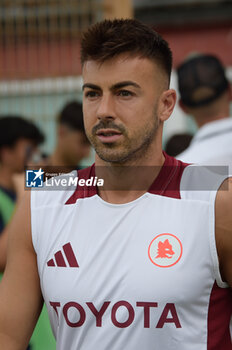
(108,135)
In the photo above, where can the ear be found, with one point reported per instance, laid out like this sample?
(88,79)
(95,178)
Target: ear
(167,103)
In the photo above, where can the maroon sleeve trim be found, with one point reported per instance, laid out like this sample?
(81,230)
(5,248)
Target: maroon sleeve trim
(83,191)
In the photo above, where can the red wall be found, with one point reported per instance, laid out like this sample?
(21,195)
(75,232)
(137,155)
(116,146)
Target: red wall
(61,58)
(40,59)
(215,40)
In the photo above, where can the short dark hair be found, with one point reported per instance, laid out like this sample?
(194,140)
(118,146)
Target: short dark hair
(72,116)
(110,38)
(14,128)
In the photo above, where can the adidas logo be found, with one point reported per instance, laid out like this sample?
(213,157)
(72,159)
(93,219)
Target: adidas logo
(60,260)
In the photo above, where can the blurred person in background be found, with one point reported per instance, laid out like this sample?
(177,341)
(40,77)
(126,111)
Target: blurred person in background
(19,139)
(205,94)
(177,143)
(72,144)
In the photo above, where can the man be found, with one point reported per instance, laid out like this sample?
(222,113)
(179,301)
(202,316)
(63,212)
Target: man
(205,94)
(123,266)
(72,144)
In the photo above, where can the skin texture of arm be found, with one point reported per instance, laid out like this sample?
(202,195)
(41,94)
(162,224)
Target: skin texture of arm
(18,180)
(224,229)
(20,295)
(3,248)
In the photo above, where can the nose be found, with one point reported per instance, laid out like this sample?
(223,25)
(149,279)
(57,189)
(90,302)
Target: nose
(106,107)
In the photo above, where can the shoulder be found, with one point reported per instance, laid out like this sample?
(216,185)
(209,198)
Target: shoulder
(223,228)
(63,189)
(223,205)
(55,191)
(200,182)
(186,154)
(224,200)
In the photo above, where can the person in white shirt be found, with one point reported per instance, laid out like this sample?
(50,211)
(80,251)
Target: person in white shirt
(205,94)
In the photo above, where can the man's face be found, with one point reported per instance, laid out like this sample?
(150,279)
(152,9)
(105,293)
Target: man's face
(120,106)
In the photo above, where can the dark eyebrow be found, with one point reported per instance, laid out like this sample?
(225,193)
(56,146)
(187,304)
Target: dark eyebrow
(124,84)
(113,87)
(91,86)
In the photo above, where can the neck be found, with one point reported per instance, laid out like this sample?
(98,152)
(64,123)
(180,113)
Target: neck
(200,121)
(126,182)
(217,110)
(6,178)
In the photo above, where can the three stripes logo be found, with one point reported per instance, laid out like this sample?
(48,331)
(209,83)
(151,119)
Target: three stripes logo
(59,257)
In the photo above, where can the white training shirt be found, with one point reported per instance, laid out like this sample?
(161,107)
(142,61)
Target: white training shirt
(140,275)
(211,145)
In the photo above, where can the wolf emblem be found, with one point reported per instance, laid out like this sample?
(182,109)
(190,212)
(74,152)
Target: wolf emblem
(165,250)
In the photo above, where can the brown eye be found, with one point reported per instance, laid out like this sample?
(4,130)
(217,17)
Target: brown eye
(91,94)
(125,93)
